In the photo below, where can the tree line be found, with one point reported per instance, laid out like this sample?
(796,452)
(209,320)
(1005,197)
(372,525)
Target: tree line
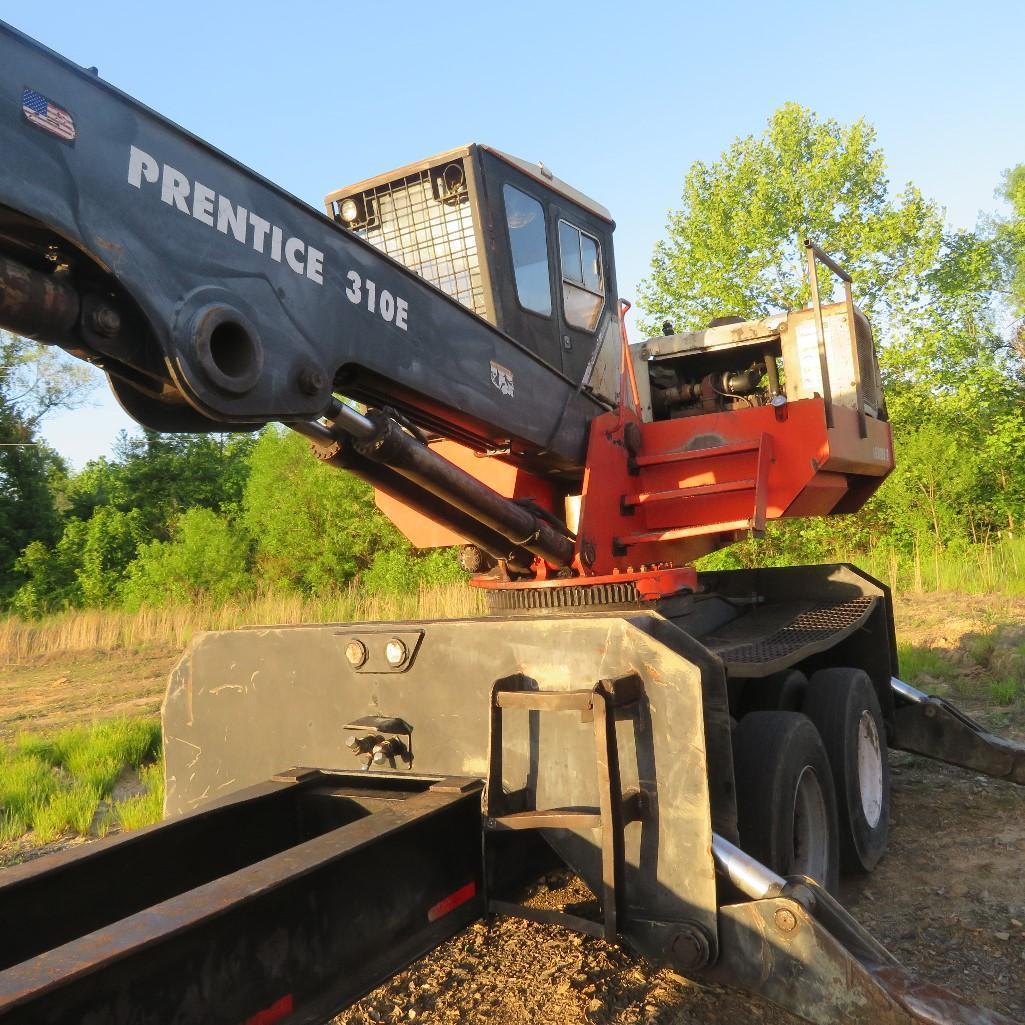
(175,518)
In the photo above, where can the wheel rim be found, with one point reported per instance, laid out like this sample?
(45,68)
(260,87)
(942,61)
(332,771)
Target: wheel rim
(811,828)
(870,769)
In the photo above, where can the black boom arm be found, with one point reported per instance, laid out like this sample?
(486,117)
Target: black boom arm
(215,300)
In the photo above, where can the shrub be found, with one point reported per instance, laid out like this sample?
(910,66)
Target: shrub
(207,556)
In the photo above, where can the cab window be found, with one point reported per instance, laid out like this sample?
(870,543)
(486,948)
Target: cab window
(583,293)
(528,238)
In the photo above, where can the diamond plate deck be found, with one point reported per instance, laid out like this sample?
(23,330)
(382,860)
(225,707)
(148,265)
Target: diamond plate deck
(809,631)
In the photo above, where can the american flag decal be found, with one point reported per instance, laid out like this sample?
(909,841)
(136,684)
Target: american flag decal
(42,113)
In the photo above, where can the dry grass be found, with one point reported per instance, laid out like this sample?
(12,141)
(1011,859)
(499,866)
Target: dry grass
(993,568)
(94,630)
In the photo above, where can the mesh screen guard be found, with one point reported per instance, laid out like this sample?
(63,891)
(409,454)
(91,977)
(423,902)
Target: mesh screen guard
(425,221)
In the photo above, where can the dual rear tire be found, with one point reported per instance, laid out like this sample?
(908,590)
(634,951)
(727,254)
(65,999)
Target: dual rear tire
(813,786)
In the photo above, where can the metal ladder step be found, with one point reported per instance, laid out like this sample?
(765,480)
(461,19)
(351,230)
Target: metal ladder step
(698,453)
(614,811)
(680,533)
(694,491)
(565,818)
(757,486)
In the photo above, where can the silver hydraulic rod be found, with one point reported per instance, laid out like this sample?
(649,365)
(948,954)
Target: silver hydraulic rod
(747,874)
(907,692)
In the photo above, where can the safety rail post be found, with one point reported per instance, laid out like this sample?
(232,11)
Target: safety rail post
(813,253)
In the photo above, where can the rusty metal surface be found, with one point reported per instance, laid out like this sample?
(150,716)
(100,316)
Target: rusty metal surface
(35,304)
(775,949)
(930,1004)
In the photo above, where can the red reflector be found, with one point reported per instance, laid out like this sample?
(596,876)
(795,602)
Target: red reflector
(271,1014)
(452,901)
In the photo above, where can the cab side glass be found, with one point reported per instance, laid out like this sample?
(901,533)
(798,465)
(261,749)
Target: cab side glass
(583,292)
(528,238)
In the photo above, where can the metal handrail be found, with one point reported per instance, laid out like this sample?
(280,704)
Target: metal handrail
(813,253)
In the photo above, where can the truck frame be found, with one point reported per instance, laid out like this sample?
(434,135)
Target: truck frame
(707,751)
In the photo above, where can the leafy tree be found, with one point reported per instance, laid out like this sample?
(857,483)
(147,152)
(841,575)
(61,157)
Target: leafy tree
(1010,234)
(33,382)
(48,581)
(87,567)
(162,475)
(955,389)
(734,247)
(402,569)
(315,528)
(37,379)
(109,543)
(207,557)
(27,510)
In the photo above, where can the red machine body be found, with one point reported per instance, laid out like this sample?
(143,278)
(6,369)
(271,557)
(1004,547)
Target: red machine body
(656,496)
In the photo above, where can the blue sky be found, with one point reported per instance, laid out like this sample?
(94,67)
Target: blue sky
(617,99)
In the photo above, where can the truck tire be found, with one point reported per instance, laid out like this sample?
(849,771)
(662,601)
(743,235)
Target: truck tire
(786,805)
(845,709)
(783,692)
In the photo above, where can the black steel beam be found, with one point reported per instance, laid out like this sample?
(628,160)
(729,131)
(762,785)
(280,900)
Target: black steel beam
(337,882)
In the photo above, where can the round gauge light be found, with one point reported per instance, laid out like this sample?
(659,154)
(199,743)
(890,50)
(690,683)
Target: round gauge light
(350,212)
(356,653)
(395,652)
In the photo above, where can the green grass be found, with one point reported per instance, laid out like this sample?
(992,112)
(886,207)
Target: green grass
(147,808)
(52,785)
(991,568)
(1004,692)
(980,648)
(916,661)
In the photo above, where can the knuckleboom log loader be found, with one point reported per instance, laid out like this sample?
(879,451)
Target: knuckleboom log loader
(706,750)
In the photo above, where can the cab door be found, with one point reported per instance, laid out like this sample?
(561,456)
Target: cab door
(552,278)
(584,287)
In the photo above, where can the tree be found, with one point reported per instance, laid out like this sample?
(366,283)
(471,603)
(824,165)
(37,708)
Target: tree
(37,379)
(33,382)
(955,388)
(734,247)
(1009,233)
(315,528)
(206,558)
(163,475)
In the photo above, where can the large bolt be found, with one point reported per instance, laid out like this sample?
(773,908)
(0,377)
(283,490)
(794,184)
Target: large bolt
(105,321)
(786,920)
(355,653)
(690,948)
(311,381)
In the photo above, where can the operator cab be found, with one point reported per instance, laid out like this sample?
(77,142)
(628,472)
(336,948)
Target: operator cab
(508,240)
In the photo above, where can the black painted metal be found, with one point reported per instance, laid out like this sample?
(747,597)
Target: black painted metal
(574,346)
(937,729)
(293,295)
(294,897)
(420,464)
(342,455)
